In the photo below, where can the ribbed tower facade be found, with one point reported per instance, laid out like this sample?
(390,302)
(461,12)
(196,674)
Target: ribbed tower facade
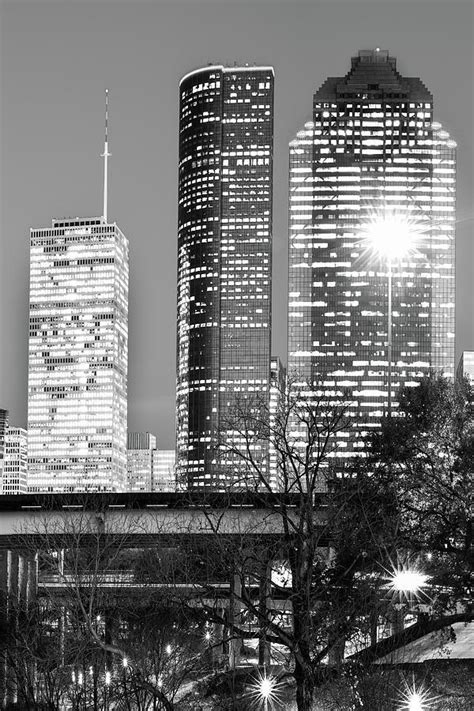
(371,160)
(78,355)
(224,261)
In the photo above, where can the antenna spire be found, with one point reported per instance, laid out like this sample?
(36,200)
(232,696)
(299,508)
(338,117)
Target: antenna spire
(106,154)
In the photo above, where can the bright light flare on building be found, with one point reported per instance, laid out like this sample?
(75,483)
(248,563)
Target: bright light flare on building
(391,236)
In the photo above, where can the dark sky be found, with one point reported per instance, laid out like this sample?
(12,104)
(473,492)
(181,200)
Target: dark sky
(56,59)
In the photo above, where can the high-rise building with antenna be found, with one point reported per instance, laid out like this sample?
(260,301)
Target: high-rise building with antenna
(78,353)
(372,163)
(224,264)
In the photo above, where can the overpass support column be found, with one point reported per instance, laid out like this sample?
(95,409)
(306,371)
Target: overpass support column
(264,593)
(235,607)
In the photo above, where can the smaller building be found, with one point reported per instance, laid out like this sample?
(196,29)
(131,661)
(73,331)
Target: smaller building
(15,462)
(3,430)
(277,390)
(465,367)
(164,476)
(140,449)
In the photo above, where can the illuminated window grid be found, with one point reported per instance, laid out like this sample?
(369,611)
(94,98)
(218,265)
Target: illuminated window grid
(164,474)
(358,156)
(77,388)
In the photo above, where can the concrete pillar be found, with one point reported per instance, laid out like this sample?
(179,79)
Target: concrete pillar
(235,607)
(264,592)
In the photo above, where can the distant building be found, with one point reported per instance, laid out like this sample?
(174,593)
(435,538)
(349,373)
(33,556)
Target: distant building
(15,462)
(465,367)
(3,430)
(141,447)
(371,162)
(78,352)
(164,474)
(277,391)
(224,262)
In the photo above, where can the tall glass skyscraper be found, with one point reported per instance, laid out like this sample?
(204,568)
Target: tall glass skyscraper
(224,261)
(78,353)
(371,163)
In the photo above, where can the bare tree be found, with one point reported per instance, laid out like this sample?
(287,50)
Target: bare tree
(98,631)
(301,590)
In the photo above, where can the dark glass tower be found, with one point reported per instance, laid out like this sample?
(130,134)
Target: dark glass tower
(224,261)
(372,162)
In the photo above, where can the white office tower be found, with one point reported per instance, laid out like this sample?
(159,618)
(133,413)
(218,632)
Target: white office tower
(77,383)
(78,353)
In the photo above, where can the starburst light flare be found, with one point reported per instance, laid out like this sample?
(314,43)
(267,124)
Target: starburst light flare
(408,581)
(265,691)
(416,699)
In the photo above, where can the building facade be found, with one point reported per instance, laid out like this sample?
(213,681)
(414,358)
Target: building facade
(164,471)
(224,262)
(465,367)
(78,356)
(140,450)
(277,395)
(3,431)
(15,462)
(371,162)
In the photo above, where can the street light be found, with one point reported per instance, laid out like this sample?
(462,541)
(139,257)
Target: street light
(390,237)
(416,699)
(265,690)
(407,581)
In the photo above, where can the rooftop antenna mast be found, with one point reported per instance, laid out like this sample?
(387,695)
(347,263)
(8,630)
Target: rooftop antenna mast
(106,154)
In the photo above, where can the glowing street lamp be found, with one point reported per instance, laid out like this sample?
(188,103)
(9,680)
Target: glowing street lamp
(416,699)
(391,238)
(415,702)
(407,581)
(265,690)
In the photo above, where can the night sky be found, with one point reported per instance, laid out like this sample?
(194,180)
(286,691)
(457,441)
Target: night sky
(57,57)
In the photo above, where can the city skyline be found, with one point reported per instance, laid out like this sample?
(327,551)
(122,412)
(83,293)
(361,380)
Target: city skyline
(65,138)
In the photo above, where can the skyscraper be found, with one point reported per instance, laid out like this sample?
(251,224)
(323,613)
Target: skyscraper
(224,260)
(78,354)
(370,163)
